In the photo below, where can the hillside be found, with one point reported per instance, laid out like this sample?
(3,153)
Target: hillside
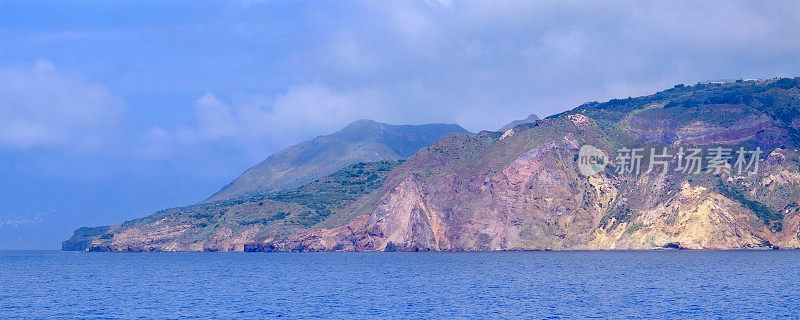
(229,225)
(360,141)
(521,189)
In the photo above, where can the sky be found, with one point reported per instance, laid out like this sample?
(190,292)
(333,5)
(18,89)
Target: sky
(112,110)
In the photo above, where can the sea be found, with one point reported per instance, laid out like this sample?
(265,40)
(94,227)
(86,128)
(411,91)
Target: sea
(397,285)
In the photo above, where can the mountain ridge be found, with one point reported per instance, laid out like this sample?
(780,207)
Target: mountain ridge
(360,141)
(531,118)
(521,189)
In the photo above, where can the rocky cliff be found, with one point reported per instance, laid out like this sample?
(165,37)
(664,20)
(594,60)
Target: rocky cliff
(521,189)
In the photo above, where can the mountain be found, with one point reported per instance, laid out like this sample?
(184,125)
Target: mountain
(360,141)
(240,223)
(522,189)
(531,118)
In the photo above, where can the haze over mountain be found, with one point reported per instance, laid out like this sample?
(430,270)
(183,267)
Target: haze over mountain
(529,119)
(360,141)
(522,190)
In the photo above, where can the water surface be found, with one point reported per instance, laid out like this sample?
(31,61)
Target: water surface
(652,284)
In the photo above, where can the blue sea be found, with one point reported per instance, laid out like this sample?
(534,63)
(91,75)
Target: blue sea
(485,285)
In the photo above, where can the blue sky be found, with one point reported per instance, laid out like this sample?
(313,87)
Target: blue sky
(112,110)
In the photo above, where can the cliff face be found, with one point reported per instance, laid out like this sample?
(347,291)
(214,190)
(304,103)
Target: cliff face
(521,189)
(538,201)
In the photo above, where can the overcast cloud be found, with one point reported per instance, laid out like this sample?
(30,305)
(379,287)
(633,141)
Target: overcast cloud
(45,108)
(184,100)
(474,63)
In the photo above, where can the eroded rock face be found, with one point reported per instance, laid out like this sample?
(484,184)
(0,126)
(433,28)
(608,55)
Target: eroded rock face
(536,199)
(694,218)
(539,202)
(526,205)
(708,128)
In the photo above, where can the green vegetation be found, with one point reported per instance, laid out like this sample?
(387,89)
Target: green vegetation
(82,238)
(769,217)
(282,212)
(633,228)
(765,96)
(279,216)
(335,191)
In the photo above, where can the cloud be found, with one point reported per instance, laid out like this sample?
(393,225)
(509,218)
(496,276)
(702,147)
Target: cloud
(452,63)
(476,64)
(41,106)
(214,120)
(259,124)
